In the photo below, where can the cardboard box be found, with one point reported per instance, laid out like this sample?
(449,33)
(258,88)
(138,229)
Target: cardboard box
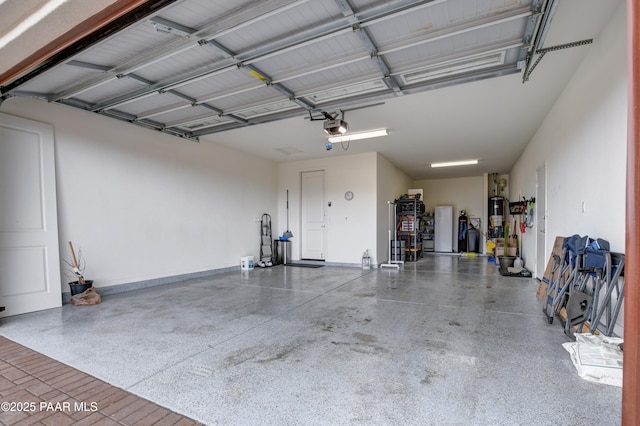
(511,243)
(511,251)
(557,249)
(542,290)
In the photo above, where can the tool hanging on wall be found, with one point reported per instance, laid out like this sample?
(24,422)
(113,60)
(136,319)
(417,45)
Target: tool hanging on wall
(287,234)
(524,209)
(529,218)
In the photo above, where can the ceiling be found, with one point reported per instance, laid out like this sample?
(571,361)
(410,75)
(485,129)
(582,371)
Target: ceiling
(450,80)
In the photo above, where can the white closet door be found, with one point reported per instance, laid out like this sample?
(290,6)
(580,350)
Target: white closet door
(29,254)
(443,235)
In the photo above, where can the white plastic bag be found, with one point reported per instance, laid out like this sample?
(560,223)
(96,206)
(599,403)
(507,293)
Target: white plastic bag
(89,297)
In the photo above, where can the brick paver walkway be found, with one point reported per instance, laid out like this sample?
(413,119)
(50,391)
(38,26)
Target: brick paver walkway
(35,389)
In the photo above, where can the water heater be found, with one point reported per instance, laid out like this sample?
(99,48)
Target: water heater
(496,217)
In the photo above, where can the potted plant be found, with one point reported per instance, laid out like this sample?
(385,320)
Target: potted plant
(77,269)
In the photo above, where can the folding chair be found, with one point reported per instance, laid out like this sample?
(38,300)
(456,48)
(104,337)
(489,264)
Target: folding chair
(581,304)
(607,306)
(569,264)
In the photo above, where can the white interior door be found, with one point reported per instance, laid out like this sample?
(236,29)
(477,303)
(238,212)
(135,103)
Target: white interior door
(443,234)
(29,257)
(314,228)
(541,221)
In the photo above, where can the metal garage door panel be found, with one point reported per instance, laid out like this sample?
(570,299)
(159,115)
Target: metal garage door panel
(181,63)
(114,87)
(124,46)
(51,80)
(342,49)
(293,20)
(222,84)
(156,102)
(260,96)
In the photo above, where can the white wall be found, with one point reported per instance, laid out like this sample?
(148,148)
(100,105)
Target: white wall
(392,183)
(352,226)
(461,193)
(582,142)
(144,205)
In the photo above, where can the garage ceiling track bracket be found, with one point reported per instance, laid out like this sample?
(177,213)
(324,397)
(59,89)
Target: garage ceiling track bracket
(544,51)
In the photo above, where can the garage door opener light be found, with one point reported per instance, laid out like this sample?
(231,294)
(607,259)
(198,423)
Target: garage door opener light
(335,127)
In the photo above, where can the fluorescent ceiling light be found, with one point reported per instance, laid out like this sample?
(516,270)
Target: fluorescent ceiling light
(359,135)
(455,163)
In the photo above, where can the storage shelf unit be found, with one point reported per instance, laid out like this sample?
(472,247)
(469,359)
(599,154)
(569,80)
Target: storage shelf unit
(410,223)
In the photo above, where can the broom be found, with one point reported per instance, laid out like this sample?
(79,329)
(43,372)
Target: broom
(75,268)
(287,234)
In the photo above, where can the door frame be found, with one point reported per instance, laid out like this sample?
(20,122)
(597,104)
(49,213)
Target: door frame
(540,214)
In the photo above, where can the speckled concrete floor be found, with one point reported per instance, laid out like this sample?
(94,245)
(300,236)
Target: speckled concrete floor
(443,341)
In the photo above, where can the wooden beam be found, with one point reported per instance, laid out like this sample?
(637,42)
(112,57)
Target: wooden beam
(631,367)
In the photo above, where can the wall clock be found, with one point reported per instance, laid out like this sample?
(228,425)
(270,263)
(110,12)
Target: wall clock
(348,195)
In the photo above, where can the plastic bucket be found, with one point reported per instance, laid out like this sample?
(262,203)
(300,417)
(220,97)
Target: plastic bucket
(246,263)
(80,288)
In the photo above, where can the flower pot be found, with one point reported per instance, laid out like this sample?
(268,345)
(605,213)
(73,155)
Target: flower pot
(77,288)
(506,261)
